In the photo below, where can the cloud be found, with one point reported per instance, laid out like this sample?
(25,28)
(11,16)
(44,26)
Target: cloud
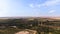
(34,5)
(45,4)
(3,8)
(31,5)
(51,11)
(39,6)
(51,3)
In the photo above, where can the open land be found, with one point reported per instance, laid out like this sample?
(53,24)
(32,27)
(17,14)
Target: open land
(31,25)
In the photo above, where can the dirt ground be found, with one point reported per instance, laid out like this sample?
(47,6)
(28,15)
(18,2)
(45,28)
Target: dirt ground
(22,32)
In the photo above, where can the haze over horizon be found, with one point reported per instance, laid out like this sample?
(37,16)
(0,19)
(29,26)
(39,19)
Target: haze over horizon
(11,8)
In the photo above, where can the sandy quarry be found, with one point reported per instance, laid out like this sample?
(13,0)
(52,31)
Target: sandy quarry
(27,32)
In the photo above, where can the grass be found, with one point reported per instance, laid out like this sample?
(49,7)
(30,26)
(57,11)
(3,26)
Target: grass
(9,31)
(15,30)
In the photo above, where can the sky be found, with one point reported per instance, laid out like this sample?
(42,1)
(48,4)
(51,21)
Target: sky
(34,8)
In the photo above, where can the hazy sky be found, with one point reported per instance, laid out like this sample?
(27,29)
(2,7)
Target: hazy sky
(29,8)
